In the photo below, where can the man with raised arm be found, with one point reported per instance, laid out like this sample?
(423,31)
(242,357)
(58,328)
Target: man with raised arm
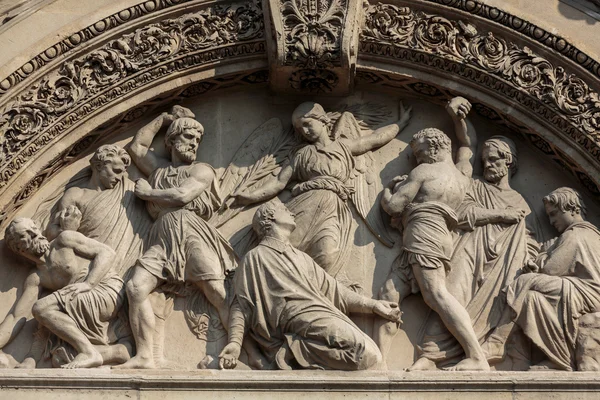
(180,194)
(426,202)
(294,310)
(87,291)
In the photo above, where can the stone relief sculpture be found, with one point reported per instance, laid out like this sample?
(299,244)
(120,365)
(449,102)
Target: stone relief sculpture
(425,201)
(293,309)
(557,289)
(498,235)
(111,213)
(181,195)
(331,168)
(286,312)
(87,292)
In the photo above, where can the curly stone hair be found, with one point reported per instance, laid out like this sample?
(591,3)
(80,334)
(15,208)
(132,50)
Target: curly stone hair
(107,152)
(566,200)
(436,139)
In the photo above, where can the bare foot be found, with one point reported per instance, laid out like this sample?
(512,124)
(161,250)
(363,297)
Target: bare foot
(422,364)
(28,363)
(470,364)
(137,362)
(546,365)
(84,360)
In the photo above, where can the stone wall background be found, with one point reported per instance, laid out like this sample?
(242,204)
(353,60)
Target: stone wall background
(229,116)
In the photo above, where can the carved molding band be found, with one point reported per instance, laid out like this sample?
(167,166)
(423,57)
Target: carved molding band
(65,97)
(53,104)
(456,47)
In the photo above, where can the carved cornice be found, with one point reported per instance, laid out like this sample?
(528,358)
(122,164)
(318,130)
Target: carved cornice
(56,102)
(456,48)
(532,31)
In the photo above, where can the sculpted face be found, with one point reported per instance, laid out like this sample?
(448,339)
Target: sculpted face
(30,239)
(495,167)
(186,144)
(284,217)
(112,172)
(311,129)
(560,220)
(422,152)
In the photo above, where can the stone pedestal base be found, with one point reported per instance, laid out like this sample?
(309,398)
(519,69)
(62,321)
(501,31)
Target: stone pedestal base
(184,385)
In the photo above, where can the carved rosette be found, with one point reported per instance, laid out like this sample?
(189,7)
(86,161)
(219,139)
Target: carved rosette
(313,45)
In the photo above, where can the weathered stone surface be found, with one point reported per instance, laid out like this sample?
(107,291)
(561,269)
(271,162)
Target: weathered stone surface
(210,102)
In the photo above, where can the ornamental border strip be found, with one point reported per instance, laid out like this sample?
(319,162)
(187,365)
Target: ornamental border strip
(453,45)
(81,86)
(529,29)
(83,36)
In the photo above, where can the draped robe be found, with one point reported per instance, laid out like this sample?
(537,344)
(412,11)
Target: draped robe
(547,305)
(290,303)
(485,260)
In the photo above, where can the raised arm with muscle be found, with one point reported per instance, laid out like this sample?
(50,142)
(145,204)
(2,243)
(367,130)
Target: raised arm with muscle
(458,108)
(200,179)
(381,136)
(139,148)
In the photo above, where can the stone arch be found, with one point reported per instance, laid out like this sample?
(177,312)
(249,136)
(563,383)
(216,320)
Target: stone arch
(59,103)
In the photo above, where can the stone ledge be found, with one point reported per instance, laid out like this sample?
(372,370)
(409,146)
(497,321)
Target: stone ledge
(301,380)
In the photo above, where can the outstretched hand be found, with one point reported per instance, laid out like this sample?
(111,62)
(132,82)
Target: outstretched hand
(388,310)
(458,108)
(405,114)
(229,356)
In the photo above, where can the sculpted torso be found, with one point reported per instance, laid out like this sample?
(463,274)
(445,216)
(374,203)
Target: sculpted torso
(441,182)
(62,267)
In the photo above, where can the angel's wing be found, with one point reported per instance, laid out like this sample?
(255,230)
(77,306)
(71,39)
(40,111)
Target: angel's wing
(368,115)
(259,159)
(366,182)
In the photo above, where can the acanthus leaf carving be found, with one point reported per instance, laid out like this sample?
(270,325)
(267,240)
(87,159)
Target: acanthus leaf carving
(78,83)
(390,27)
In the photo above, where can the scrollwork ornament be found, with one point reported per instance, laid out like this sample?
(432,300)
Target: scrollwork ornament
(42,109)
(391,27)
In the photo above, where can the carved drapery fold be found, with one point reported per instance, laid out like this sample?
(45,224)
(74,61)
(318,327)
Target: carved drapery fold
(311,44)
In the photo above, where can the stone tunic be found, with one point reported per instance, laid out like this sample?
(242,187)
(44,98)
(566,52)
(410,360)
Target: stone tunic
(320,202)
(178,234)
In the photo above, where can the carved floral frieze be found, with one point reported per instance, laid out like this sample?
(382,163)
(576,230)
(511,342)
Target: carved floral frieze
(433,40)
(80,86)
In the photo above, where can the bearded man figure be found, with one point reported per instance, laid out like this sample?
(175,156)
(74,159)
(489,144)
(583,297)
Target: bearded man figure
(181,194)
(110,211)
(498,236)
(86,291)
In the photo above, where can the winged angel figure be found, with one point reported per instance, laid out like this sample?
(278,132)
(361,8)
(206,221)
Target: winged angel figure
(329,159)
